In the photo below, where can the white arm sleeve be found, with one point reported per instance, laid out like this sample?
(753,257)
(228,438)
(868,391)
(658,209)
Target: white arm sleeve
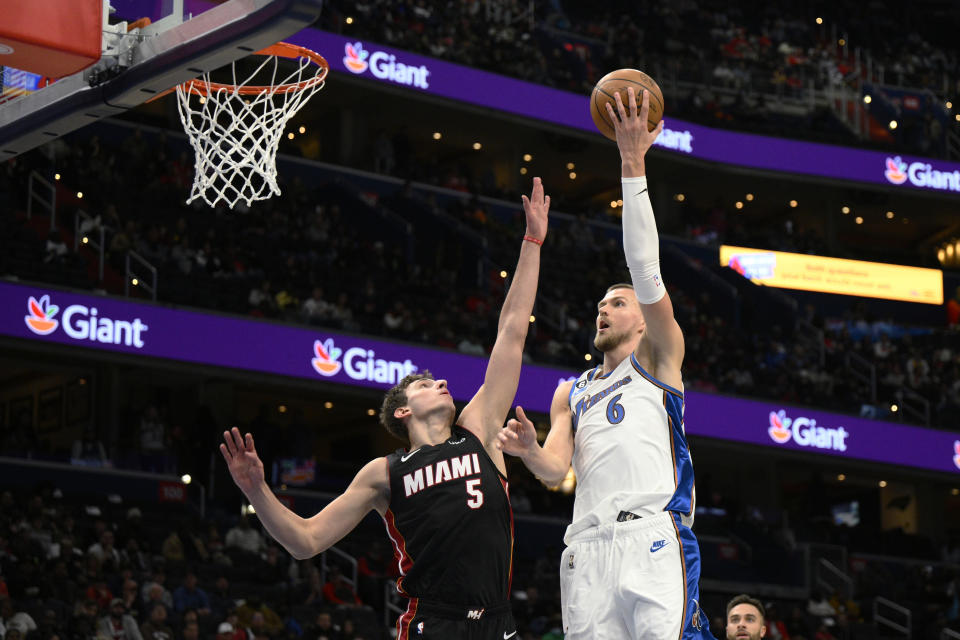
(641,244)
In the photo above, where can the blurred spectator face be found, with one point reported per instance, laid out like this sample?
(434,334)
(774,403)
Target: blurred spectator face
(744,622)
(222,584)
(158,614)
(191,631)
(257,622)
(90,608)
(106,539)
(190,616)
(156,593)
(324,621)
(190,581)
(117,610)
(129,587)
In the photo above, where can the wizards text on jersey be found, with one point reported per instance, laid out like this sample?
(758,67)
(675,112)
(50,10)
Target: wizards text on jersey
(588,401)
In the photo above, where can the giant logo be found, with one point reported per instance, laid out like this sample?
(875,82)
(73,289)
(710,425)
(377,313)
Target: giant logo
(805,432)
(83,323)
(921,174)
(358,363)
(384,66)
(40,320)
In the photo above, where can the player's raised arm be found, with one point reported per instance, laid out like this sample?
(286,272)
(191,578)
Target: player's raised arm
(550,462)
(304,537)
(641,244)
(489,407)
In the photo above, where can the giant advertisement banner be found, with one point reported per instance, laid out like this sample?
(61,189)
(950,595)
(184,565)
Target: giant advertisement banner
(114,325)
(419,73)
(835,275)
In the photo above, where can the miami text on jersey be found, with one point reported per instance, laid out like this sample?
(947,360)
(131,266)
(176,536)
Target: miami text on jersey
(438,472)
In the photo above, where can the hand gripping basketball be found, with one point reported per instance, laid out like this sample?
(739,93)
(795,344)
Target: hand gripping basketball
(633,137)
(519,437)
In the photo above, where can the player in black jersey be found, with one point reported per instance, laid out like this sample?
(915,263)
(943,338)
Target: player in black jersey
(445,500)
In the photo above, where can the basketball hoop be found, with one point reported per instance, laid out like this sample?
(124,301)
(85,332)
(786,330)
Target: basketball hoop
(235,129)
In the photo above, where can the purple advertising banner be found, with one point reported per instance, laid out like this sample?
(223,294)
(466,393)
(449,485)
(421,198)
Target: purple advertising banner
(137,328)
(378,63)
(429,75)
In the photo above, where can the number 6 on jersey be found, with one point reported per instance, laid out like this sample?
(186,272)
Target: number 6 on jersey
(473,489)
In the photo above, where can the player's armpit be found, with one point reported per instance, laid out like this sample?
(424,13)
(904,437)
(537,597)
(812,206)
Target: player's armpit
(553,460)
(369,491)
(664,339)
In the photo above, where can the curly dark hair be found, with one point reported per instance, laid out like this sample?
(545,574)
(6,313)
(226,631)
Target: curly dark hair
(396,398)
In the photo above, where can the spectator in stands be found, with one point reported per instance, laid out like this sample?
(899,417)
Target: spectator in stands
(259,617)
(13,619)
(746,619)
(119,625)
(155,589)
(220,601)
(156,627)
(322,628)
(104,551)
(190,596)
(172,550)
(153,441)
(128,594)
(338,589)
(84,620)
(819,606)
(225,631)
(315,309)
(244,537)
(56,248)
(191,631)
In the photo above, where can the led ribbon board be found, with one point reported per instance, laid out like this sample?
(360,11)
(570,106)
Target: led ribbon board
(835,275)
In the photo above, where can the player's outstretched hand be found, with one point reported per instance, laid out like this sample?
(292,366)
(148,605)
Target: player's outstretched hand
(633,135)
(519,437)
(242,459)
(536,207)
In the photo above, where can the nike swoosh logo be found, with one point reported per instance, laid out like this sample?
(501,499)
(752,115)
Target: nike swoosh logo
(506,637)
(639,192)
(406,457)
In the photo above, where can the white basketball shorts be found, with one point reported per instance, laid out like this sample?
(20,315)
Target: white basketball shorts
(636,580)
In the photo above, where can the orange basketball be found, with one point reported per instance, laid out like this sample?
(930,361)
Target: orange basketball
(618,81)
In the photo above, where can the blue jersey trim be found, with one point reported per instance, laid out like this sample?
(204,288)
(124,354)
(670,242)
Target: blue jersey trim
(662,385)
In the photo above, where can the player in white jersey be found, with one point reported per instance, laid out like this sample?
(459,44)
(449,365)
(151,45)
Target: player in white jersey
(631,568)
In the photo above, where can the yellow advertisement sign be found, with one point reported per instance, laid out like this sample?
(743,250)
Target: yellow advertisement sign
(835,275)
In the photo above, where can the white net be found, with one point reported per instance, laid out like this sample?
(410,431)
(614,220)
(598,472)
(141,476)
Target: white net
(235,133)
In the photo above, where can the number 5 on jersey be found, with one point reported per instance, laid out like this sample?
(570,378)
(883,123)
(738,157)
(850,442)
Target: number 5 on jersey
(475,501)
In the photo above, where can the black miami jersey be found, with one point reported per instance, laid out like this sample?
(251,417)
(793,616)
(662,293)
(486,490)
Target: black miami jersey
(451,523)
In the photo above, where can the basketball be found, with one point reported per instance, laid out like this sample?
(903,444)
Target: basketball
(618,81)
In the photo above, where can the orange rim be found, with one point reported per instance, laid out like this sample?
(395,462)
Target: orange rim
(281,50)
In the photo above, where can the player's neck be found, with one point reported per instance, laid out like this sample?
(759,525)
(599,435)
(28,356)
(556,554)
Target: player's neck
(430,431)
(613,358)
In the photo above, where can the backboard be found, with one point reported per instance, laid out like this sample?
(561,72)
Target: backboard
(139,61)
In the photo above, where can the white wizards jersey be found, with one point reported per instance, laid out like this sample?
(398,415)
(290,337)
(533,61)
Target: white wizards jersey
(630,450)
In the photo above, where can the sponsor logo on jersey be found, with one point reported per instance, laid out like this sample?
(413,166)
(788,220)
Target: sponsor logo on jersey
(83,323)
(475,614)
(805,432)
(657,545)
(920,174)
(440,472)
(384,66)
(358,363)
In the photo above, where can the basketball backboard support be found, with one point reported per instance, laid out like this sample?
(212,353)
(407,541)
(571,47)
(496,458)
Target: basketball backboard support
(162,55)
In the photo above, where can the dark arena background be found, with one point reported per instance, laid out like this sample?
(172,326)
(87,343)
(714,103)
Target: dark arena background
(807,194)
